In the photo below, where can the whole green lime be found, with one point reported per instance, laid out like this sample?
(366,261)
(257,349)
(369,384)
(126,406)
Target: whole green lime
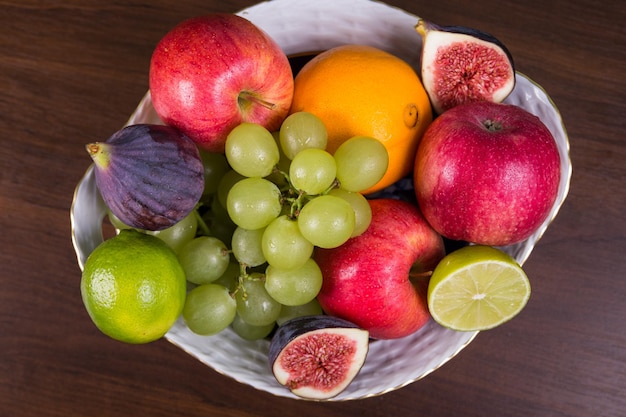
(133,287)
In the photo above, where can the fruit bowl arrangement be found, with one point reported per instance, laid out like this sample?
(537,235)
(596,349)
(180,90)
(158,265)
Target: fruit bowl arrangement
(390,363)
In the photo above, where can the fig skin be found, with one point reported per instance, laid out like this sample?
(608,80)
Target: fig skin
(149,176)
(461,64)
(331,370)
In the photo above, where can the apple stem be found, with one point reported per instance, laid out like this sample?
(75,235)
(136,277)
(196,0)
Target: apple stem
(492,125)
(418,275)
(246,96)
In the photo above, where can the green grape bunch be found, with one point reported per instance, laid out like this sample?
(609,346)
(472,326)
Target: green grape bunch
(269,200)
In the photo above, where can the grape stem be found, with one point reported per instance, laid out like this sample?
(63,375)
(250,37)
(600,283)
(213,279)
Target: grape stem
(296,205)
(297,202)
(243,275)
(332,186)
(284,175)
(202,224)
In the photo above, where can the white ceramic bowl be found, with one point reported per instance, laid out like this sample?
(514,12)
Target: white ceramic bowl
(302,26)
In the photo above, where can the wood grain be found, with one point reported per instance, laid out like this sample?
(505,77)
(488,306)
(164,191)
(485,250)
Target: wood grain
(73,71)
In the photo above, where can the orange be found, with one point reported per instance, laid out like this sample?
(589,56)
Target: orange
(359,90)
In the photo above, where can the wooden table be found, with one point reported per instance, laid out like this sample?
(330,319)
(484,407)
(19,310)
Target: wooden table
(73,71)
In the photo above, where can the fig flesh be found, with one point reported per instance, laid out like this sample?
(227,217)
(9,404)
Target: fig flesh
(149,176)
(460,64)
(317,357)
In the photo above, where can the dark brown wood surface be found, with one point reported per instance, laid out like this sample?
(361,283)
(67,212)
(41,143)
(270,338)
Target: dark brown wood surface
(73,71)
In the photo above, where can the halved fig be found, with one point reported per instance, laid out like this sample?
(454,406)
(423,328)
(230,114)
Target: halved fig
(317,357)
(460,64)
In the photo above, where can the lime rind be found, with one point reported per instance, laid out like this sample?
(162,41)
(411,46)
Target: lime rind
(477,289)
(133,287)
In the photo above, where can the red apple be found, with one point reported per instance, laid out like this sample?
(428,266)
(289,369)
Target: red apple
(211,73)
(487,173)
(366,280)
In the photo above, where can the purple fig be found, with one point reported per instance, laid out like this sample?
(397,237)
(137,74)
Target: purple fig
(149,176)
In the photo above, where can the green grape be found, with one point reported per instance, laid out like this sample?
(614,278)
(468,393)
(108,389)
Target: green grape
(361,207)
(215,167)
(226,183)
(361,162)
(253,203)
(302,130)
(284,246)
(312,308)
(116,222)
(230,277)
(204,259)
(209,309)
(312,170)
(251,150)
(249,332)
(180,233)
(254,305)
(327,221)
(246,246)
(294,287)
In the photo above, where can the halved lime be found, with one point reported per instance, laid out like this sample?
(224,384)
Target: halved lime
(477,288)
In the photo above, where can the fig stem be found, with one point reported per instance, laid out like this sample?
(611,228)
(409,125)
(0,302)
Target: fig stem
(99,154)
(93,148)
